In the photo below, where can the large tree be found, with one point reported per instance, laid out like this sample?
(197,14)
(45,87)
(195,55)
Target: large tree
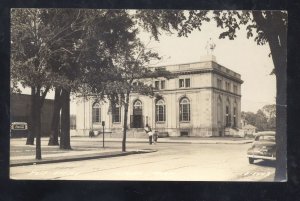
(39,37)
(29,55)
(267,28)
(76,36)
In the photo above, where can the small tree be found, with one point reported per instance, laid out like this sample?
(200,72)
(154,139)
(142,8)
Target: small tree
(270,112)
(119,67)
(261,120)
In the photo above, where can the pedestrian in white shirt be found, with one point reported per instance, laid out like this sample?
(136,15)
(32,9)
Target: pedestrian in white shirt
(149,132)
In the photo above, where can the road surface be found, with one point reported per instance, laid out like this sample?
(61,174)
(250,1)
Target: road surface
(171,162)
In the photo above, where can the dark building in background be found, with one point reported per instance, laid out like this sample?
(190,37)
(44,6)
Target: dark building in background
(20,109)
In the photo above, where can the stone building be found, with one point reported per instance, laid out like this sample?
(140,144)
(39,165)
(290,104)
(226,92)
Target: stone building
(204,99)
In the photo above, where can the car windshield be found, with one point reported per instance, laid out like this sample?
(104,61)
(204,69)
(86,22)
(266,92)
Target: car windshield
(266,138)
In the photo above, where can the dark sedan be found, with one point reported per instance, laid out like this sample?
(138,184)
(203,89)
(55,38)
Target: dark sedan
(263,147)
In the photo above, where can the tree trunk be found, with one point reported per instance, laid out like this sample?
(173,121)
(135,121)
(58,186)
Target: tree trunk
(281,128)
(125,123)
(36,121)
(276,33)
(31,132)
(53,140)
(65,120)
(279,55)
(37,126)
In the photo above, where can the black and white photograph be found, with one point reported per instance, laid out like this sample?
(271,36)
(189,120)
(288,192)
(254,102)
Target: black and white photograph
(148,95)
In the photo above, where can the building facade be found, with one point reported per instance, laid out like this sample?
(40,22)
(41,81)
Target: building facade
(204,99)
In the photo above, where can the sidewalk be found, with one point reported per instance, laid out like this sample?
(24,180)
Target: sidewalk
(84,148)
(189,140)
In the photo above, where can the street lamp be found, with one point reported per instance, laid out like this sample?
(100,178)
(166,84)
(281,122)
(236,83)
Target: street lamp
(103,124)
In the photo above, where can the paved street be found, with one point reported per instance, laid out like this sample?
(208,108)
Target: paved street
(171,161)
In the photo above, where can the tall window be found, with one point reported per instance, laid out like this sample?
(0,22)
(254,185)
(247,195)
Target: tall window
(228,86)
(187,82)
(219,83)
(160,109)
(162,84)
(184,82)
(235,89)
(156,84)
(96,113)
(219,111)
(181,83)
(184,110)
(116,114)
(228,116)
(234,117)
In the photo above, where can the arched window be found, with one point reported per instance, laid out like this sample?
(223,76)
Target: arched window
(96,113)
(160,109)
(116,113)
(137,104)
(184,110)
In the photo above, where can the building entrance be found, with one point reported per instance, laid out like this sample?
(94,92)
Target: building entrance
(137,117)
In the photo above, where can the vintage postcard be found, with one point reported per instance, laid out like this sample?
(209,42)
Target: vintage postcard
(151,95)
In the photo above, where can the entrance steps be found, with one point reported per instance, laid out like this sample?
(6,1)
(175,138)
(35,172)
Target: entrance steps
(231,131)
(131,133)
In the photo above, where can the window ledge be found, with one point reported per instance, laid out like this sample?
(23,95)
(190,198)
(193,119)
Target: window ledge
(160,122)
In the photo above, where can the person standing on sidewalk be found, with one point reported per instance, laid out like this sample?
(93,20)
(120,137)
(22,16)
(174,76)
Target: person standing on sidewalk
(149,132)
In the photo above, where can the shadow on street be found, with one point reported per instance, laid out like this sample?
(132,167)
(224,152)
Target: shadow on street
(264,163)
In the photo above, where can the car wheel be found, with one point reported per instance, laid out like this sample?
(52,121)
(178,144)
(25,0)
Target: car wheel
(251,160)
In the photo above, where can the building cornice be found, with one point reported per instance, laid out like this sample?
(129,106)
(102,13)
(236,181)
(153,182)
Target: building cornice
(209,70)
(191,89)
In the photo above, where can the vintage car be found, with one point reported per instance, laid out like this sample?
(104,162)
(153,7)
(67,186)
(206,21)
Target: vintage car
(263,147)
(18,129)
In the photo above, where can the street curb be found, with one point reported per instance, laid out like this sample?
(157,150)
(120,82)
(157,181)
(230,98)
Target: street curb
(82,158)
(182,141)
(188,142)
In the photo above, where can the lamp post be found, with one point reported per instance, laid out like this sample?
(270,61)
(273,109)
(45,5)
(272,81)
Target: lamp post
(103,124)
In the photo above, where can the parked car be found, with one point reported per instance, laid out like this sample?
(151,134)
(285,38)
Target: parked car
(263,147)
(18,129)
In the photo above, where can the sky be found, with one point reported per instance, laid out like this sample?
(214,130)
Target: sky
(241,55)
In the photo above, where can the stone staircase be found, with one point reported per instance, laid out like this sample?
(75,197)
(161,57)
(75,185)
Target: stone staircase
(232,131)
(131,133)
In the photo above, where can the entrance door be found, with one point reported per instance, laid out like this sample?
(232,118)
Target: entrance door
(137,114)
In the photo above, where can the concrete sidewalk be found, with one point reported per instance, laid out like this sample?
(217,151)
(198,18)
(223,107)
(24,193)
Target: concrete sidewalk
(85,148)
(71,156)
(189,140)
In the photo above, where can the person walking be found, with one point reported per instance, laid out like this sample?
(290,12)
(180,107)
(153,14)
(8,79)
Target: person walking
(91,133)
(149,132)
